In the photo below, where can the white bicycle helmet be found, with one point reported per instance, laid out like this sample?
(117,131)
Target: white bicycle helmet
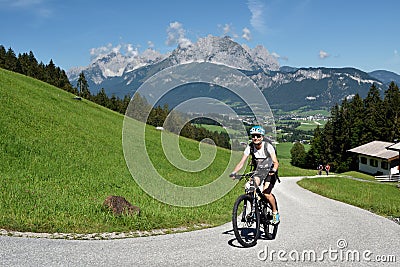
(257,130)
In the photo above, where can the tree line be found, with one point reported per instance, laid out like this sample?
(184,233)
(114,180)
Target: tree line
(174,122)
(353,123)
(114,102)
(28,65)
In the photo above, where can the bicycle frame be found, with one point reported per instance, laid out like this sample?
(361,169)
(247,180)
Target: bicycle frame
(252,190)
(260,213)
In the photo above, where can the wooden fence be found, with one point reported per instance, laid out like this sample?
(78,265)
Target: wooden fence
(388,178)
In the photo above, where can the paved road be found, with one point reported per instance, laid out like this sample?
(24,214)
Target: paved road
(337,233)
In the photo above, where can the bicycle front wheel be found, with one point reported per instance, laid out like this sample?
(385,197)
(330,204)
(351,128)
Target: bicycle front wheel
(246,221)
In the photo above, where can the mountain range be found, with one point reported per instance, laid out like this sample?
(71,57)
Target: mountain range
(285,87)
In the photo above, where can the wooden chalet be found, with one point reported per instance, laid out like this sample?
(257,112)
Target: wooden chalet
(378,158)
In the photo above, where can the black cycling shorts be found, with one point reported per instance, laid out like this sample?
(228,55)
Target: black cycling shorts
(271,179)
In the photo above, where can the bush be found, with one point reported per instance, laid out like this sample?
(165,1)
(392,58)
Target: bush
(298,154)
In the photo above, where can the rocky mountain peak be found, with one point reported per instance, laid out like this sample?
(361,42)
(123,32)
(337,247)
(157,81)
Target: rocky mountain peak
(263,58)
(286,88)
(219,50)
(215,50)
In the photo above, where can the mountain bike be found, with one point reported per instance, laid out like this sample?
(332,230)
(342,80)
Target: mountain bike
(251,211)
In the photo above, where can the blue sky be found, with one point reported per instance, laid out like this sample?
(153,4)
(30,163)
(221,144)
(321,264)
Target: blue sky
(364,34)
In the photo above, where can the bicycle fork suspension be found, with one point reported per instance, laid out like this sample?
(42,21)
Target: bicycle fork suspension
(254,204)
(244,211)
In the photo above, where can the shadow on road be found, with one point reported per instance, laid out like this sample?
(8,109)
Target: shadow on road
(232,241)
(263,236)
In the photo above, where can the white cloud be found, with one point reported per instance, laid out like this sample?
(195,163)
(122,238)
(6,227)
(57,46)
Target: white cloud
(396,53)
(131,51)
(323,54)
(246,34)
(100,51)
(116,49)
(227,29)
(176,35)
(150,44)
(38,7)
(21,3)
(277,56)
(128,49)
(256,8)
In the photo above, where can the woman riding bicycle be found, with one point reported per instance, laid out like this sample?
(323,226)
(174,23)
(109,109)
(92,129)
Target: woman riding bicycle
(264,157)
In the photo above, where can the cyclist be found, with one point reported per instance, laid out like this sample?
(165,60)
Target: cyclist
(264,157)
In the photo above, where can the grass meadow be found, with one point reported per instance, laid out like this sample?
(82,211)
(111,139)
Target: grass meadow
(60,159)
(380,198)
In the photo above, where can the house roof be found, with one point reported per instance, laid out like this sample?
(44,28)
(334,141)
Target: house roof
(395,147)
(377,149)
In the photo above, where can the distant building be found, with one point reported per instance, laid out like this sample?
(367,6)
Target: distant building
(396,147)
(378,157)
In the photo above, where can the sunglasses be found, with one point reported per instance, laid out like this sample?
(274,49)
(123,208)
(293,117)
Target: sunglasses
(256,136)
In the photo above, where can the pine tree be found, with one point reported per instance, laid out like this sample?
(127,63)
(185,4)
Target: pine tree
(357,111)
(391,105)
(329,142)
(138,108)
(346,120)
(101,98)
(41,75)
(33,69)
(113,103)
(188,130)
(51,73)
(174,122)
(83,86)
(328,146)
(374,118)
(3,53)
(125,103)
(64,82)
(10,60)
(332,135)
(18,66)
(314,154)
(356,120)
(24,64)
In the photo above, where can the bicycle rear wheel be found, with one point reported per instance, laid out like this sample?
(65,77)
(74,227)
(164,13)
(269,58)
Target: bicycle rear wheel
(246,221)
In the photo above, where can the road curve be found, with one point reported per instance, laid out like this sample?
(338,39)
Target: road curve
(314,231)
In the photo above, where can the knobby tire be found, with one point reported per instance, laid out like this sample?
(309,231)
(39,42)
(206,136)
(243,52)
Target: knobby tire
(246,225)
(270,230)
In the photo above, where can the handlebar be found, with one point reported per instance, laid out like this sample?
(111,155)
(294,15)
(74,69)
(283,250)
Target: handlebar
(250,174)
(241,176)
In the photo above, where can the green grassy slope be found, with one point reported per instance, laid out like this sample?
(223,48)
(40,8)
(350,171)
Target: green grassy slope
(380,198)
(60,158)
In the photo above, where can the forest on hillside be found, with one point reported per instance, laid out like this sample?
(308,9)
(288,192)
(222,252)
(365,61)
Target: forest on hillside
(352,123)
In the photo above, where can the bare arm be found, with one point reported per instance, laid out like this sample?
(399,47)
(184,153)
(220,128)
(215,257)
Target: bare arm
(241,163)
(275,161)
